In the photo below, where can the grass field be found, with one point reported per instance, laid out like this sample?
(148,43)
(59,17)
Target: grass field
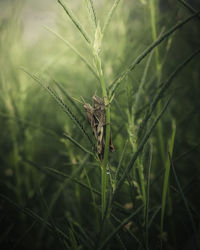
(58,189)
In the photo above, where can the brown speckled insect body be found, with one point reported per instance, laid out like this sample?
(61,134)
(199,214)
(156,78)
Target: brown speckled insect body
(97,118)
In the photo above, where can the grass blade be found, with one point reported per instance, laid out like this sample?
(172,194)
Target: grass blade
(64,107)
(162,90)
(139,150)
(74,50)
(124,222)
(110,14)
(77,144)
(166,179)
(33,215)
(92,12)
(131,67)
(56,172)
(185,203)
(75,21)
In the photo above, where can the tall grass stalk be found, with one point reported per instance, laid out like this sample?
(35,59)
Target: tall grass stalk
(97,59)
(166,179)
(158,73)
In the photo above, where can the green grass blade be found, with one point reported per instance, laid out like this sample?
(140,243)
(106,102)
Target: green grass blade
(58,173)
(119,227)
(162,90)
(75,21)
(120,164)
(188,6)
(131,67)
(166,178)
(147,197)
(197,241)
(139,150)
(110,14)
(92,12)
(71,100)
(77,144)
(74,50)
(33,215)
(64,107)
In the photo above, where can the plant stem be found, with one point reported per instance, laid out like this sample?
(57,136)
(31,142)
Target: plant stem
(107,141)
(158,69)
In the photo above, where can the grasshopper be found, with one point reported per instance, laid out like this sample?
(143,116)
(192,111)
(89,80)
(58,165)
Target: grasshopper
(97,118)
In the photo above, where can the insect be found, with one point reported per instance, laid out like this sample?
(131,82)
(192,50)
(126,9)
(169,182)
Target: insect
(97,118)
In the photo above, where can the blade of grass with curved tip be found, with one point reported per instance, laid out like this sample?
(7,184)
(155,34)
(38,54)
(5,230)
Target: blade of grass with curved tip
(64,107)
(74,50)
(75,21)
(117,81)
(118,228)
(109,16)
(139,150)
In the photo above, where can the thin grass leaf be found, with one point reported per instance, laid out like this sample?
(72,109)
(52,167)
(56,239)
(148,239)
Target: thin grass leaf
(187,152)
(139,150)
(64,107)
(185,203)
(120,162)
(31,124)
(75,21)
(33,215)
(71,100)
(148,198)
(118,228)
(56,172)
(188,6)
(20,240)
(153,216)
(81,232)
(74,50)
(109,16)
(140,89)
(131,67)
(51,220)
(162,90)
(77,144)
(92,12)
(166,178)
(59,175)
(129,231)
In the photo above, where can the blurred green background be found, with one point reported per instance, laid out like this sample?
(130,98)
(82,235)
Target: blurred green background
(42,209)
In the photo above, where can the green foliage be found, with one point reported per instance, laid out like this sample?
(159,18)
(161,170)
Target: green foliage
(142,58)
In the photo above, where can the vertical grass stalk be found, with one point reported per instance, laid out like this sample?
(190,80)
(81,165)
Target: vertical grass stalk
(158,69)
(166,179)
(97,59)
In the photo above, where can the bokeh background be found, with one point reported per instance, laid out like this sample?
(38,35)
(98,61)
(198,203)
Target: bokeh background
(34,201)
